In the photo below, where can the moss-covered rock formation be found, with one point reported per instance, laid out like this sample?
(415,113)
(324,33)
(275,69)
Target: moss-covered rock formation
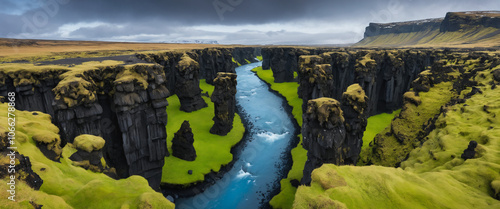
(225,103)
(354,104)
(434,173)
(315,79)
(384,75)
(64,184)
(182,144)
(187,84)
(324,133)
(123,104)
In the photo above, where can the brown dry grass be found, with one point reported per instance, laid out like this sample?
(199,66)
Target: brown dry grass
(35,50)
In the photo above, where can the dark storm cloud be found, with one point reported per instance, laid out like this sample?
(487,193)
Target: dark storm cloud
(176,18)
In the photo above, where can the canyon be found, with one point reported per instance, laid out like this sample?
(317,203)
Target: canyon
(107,114)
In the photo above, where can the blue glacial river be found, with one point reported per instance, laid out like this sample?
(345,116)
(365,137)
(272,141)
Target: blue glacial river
(260,164)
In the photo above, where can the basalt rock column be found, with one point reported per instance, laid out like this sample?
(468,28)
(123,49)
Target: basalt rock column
(182,144)
(354,106)
(315,79)
(323,134)
(225,103)
(187,86)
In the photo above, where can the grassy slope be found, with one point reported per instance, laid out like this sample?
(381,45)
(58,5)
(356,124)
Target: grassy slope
(299,155)
(377,124)
(388,150)
(66,185)
(213,150)
(476,37)
(434,176)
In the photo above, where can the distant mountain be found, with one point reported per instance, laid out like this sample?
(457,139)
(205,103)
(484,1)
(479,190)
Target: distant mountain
(457,29)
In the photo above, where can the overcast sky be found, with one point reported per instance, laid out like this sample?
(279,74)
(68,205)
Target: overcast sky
(226,21)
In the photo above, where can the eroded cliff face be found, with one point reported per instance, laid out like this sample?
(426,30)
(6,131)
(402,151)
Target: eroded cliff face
(283,61)
(384,75)
(123,104)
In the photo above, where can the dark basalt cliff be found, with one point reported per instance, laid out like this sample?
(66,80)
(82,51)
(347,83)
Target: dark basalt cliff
(283,61)
(123,104)
(242,54)
(224,100)
(384,75)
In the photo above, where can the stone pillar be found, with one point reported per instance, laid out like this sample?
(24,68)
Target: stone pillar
(182,144)
(354,107)
(323,134)
(225,103)
(187,85)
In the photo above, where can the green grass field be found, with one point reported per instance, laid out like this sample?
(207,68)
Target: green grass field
(213,151)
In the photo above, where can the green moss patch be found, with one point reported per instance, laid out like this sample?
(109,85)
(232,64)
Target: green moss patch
(213,151)
(236,61)
(69,186)
(89,143)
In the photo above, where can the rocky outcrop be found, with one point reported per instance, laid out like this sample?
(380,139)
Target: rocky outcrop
(244,54)
(188,85)
(470,152)
(224,100)
(23,171)
(89,153)
(354,104)
(182,144)
(323,134)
